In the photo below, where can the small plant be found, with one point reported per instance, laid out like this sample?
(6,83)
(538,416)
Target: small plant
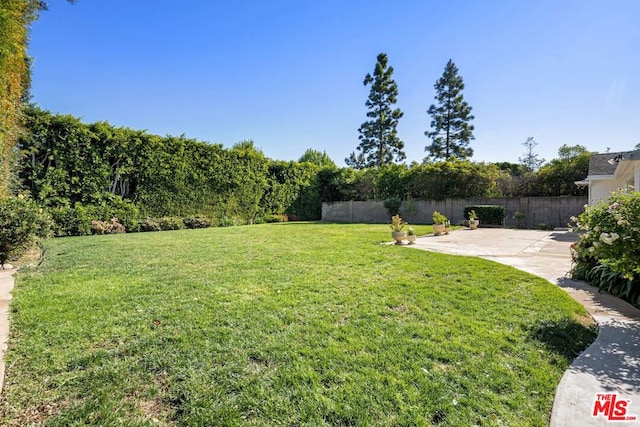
(438,218)
(410,208)
(520,217)
(473,215)
(397,224)
(411,232)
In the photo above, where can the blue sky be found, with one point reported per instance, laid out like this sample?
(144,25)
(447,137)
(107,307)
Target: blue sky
(288,73)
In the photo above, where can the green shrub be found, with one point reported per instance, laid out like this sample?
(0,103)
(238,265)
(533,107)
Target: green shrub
(70,221)
(112,226)
(487,214)
(22,221)
(77,220)
(520,217)
(197,221)
(392,205)
(149,224)
(171,223)
(607,253)
(276,218)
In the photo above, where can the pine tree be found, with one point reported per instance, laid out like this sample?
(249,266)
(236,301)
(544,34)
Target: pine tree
(451,130)
(379,142)
(531,159)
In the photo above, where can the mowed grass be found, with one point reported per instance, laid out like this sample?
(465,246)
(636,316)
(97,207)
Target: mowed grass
(282,324)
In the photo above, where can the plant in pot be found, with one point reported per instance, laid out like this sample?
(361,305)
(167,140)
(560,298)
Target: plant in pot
(447,227)
(439,221)
(411,236)
(473,220)
(397,225)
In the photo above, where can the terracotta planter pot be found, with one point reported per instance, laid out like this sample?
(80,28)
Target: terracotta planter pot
(411,238)
(473,224)
(438,229)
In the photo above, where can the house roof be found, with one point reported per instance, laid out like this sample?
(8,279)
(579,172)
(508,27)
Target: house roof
(599,163)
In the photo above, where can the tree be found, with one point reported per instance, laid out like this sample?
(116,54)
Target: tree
(558,176)
(317,158)
(451,130)
(568,152)
(379,142)
(531,159)
(356,161)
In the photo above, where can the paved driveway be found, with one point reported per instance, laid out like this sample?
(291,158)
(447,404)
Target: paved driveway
(611,365)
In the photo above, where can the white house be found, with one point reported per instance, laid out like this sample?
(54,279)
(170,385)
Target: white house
(612,172)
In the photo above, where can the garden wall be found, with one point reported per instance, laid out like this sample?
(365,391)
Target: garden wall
(551,211)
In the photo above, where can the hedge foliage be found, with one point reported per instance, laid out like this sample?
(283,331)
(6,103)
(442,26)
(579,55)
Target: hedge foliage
(85,172)
(487,214)
(94,172)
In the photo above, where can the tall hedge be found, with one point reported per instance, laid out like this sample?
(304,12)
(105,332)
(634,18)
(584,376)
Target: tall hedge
(66,163)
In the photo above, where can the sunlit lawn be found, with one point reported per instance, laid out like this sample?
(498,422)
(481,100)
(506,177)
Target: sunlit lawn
(282,324)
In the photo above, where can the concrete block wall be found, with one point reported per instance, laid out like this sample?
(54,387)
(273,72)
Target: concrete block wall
(552,211)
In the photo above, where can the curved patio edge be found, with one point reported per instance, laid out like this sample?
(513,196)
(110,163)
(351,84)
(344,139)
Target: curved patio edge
(607,373)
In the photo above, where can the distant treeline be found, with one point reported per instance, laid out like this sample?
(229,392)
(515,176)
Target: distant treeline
(69,166)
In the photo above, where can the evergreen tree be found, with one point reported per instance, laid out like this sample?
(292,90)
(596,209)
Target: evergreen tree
(531,159)
(356,161)
(451,130)
(318,158)
(379,142)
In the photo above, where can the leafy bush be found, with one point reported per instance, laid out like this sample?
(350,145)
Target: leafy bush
(171,223)
(22,221)
(487,214)
(453,179)
(149,224)
(276,218)
(226,221)
(112,226)
(197,221)
(607,253)
(392,205)
(70,221)
(78,220)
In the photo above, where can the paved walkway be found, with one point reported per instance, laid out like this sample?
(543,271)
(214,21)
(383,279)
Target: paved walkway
(611,364)
(6,286)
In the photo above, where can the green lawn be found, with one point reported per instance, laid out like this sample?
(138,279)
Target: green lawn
(282,324)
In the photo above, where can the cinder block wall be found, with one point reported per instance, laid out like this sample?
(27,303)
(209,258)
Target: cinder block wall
(552,211)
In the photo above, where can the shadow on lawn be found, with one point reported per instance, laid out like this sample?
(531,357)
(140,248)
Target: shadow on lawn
(565,337)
